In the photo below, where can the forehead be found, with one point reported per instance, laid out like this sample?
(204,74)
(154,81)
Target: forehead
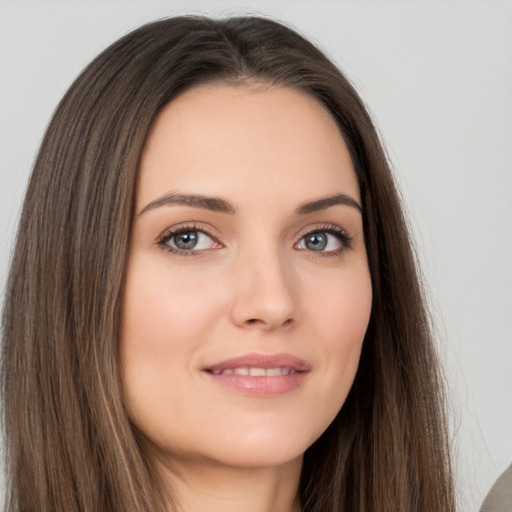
(248,139)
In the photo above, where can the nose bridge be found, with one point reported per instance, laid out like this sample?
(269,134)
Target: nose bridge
(264,288)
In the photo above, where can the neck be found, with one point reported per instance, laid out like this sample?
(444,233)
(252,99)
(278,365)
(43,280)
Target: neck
(208,487)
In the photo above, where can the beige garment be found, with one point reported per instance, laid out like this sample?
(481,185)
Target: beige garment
(499,498)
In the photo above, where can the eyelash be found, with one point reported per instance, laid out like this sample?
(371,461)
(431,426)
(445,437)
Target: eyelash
(162,242)
(343,237)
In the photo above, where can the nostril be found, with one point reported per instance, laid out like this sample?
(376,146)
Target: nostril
(258,321)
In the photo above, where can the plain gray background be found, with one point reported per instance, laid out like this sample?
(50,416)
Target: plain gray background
(437,77)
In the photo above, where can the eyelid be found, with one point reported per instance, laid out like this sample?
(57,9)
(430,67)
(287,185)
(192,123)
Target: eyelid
(172,231)
(343,236)
(341,233)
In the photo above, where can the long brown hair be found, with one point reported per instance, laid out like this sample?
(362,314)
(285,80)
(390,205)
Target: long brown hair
(69,443)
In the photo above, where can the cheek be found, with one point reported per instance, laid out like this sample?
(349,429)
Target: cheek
(165,311)
(341,310)
(166,318)
(341,319)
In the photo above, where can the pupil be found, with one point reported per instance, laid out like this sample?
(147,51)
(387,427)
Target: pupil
(316,241)
(186,240)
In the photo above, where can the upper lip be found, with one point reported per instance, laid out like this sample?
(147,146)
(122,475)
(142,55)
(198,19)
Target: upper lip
(254,360)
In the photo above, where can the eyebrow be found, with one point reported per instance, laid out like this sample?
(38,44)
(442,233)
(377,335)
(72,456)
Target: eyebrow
(217,204)
(327,202)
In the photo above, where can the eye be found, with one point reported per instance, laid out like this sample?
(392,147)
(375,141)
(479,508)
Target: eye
(332,240)
(184,240)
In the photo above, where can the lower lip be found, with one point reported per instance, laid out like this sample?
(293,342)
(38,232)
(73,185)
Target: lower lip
(260,386)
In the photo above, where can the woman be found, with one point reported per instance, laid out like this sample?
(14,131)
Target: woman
(213,302)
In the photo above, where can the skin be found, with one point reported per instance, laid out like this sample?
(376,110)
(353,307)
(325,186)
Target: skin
(250,285)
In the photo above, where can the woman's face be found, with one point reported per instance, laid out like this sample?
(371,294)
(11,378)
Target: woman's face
(248,292)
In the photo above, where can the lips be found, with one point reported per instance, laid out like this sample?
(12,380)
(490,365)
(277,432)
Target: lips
(260,374)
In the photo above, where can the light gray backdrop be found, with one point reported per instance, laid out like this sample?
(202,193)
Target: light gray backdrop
(437,77)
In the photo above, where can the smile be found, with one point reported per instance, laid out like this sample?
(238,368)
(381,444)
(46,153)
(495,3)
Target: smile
(260,374)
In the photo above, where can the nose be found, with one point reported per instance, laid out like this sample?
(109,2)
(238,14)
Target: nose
(264,295)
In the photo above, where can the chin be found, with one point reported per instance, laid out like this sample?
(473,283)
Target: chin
(262,447)
(258,457)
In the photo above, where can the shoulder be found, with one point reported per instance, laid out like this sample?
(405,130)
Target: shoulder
(499,498)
